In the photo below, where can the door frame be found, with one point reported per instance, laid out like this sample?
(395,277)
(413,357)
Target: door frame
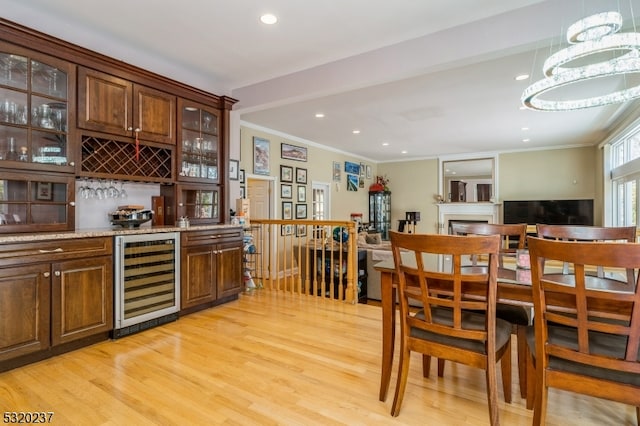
(273,211)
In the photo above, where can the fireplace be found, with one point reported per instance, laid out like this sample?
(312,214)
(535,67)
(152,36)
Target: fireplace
(465,212)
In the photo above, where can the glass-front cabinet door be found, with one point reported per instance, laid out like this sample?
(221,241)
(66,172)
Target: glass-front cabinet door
(199,203)
(42,204)
(380,212)
(198,143)
(34,110)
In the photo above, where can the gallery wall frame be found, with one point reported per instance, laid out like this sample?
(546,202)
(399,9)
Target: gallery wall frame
(302,194)
(261,156)
(301,175)
(293,152)
(352,168)
(241,176)
(287,210)
(286,190)
(301,211)
(286,173)
(336,171)
(234,169)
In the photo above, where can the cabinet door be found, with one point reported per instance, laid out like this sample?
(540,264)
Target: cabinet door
(199,147)
(37,103)
(82,298)
(198,279)
(229,269)
(104,102)
(155,115)
(24,310)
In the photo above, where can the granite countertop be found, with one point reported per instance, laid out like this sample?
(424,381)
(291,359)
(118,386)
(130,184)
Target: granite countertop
(104,232)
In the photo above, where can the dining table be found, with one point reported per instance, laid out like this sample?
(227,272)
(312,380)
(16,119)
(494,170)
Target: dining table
(514,288)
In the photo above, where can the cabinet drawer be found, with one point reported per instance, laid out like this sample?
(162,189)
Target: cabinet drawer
(192,238)
(54,250)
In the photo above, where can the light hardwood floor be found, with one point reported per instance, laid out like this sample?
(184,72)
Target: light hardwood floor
(268,358)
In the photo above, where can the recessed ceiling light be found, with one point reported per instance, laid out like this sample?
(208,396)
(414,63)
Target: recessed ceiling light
(525,128)
(319,115)
(404,151)
(526,140)
(522,77)
(355,132)
(385,143)
(522,107)
(268,19)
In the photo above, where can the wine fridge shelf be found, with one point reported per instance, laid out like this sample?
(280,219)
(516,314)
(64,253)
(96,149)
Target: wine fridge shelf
(109,158)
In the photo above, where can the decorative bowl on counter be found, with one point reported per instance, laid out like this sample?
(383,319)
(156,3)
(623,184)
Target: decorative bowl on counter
(130,216)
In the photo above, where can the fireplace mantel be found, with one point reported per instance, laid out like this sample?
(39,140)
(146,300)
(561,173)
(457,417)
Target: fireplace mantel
(488,212)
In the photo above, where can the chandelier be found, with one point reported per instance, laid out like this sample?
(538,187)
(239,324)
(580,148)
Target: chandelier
(589,36)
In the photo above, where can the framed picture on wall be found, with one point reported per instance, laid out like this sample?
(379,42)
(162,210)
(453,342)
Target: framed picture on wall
(286,191)
(302,194)
(234,169)
(292,152)
(337,171)
(301,230)
(352,168)
(301,211)
(301,175)
(286,174)
(241,175)
(286,229)
(260,156)
(287,210)
(243,193)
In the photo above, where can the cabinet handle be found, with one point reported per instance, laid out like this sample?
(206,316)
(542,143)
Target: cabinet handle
(46,274)
(137,130)
(56,273)
(72,163)
(180,204)
(57,250)
(72,203)
(215,236)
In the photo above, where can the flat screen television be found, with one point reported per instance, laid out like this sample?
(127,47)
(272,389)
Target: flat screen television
(552,212)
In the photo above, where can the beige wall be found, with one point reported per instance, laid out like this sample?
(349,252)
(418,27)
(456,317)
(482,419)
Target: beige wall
(551,174)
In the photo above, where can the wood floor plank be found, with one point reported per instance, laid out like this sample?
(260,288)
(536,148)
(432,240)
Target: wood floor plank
(270,358)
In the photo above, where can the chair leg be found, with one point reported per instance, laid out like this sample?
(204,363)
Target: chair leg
(505,365)
(401,384)
(492,392)
(540,400)
(531,379)
(521,336)
(441,367)
(638,416)
(426,365)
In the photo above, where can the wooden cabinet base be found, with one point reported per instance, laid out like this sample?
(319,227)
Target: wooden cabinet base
(208,305)
(52,351)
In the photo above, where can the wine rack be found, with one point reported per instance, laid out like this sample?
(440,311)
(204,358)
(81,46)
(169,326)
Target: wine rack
(115,159)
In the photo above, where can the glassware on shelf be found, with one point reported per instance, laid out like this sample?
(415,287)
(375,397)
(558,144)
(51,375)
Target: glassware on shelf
(23,154)
(12,154)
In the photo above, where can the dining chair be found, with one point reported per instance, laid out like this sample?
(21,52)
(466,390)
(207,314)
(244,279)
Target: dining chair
(586,336)
(513,238)
(588,233)
(452,324)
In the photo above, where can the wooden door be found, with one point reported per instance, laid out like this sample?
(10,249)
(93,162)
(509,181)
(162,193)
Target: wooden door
(229,269)
(104,102)
(25,300)
(82,298)
(155,115)
(197,276)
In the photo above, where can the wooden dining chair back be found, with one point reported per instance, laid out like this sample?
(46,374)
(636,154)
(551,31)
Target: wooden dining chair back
(588,233)
(587,334)
(513,238)
(457,321)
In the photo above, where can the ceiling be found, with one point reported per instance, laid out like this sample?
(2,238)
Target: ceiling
(430,78)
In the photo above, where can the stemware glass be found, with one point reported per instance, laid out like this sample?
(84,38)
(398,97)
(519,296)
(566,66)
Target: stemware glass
(100,190)
(112,191)
(123,193)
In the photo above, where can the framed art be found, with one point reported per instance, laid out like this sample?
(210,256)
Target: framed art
(286,230)
(286,191)
(337,172)
(301,230)
(352,182)
(44,191)
(368,171)
(234,169)
(243,194)
(292,152)
(301,175)
(301,211)
(302,194)
(286,174)
(362,170)
(241,175)
(361,182)
(260,156)
(287,210)
(352,168)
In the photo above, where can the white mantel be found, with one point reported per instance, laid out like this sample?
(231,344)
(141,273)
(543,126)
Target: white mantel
(466,211)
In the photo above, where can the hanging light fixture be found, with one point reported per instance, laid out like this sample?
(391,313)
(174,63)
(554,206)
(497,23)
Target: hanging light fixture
(589,36)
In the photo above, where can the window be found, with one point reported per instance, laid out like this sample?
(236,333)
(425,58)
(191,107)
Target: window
(624,162)
(320,202)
